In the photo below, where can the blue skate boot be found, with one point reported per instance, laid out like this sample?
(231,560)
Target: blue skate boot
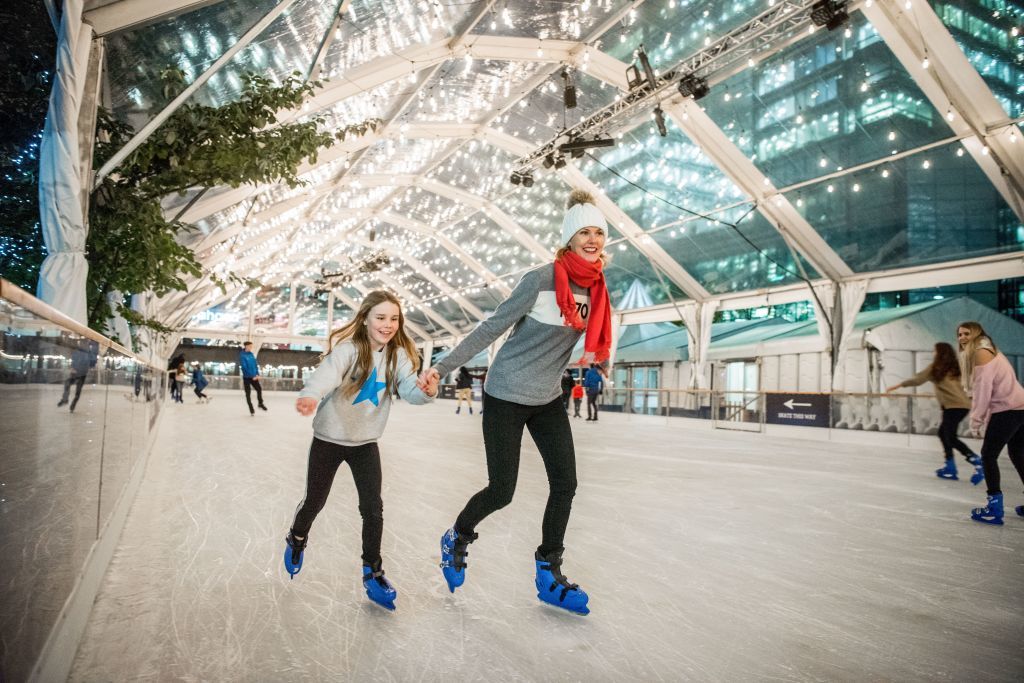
(1019,510)
(554,589)
(979,471)
(293,553)
(991,513)
(453,557)
(378,589)
(948,471)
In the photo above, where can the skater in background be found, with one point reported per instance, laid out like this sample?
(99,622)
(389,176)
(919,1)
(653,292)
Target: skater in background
(567,384)
(83,358)
(199,382)
(250,377)
(369,360)
(548,311)
(180,377)
(944,373)
(593,382)
(997,409)
(463,390)
(577,398)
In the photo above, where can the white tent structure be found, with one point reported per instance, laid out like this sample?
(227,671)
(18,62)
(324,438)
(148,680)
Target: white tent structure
(816,164)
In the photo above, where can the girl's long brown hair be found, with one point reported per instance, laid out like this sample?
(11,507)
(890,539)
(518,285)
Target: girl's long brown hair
(945,364)
(357,331)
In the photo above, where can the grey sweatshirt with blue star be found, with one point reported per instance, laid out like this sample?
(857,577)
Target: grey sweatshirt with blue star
(359,418)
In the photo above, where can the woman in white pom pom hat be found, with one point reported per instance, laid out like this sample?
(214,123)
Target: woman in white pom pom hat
(548,310)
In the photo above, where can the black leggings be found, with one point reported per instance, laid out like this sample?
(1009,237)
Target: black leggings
(1004,429)
(951,419)
(364,461)
(592,406)
(503,425)
(252,382)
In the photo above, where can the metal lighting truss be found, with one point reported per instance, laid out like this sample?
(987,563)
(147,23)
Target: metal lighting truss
(765,33)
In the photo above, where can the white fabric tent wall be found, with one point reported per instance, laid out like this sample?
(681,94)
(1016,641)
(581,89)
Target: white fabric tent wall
(62,277)
(698,320)
(842,310)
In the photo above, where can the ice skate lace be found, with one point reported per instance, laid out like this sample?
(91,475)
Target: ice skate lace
(378,576)
(297,547)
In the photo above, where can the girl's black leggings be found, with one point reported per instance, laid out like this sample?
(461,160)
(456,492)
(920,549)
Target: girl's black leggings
(364,462)
(951,419)
(1004,429)
(503,425)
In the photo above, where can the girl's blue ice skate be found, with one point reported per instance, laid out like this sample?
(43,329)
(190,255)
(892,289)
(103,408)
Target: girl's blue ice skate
(378,588)
(948,471)
(554,589)
(453,557)
(991,513)
(979,471)
(293,554)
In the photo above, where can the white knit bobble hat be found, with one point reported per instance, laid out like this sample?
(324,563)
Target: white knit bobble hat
(582,213)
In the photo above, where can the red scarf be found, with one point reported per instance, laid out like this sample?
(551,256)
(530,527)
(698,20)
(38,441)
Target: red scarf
(584,273)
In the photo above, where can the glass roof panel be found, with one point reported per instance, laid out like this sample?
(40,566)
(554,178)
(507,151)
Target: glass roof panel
(538,210)
(310,312)
(224,316)
(989,33)
(287,46)
(631,269)
(478,168)
(490,244)
(547,19)
(469,91)
(400,157)
(190,41)
(376,28)
(828,102)
(932,206)
(426,207)
(671,30)
(270,310)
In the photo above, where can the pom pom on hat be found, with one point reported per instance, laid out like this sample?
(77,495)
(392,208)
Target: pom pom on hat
(582,213)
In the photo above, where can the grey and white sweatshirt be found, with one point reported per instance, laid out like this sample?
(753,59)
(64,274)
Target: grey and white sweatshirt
(360,418)
(528,368)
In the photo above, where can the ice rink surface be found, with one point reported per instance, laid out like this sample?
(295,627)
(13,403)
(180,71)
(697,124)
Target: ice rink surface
(708,556)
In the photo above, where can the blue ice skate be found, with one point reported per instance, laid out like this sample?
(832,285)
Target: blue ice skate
(453,557)
(378,588)
(991,513)
(1019,510)
(979,472)
(554,589)
(293,553)
(948,471)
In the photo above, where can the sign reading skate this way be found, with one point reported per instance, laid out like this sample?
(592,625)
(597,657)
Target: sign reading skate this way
(803,410)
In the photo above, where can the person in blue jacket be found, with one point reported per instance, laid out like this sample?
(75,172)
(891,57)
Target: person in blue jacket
(593,382)
(250,377)
(199,382)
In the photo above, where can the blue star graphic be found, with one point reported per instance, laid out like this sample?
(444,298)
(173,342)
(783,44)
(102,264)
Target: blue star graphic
(371,387)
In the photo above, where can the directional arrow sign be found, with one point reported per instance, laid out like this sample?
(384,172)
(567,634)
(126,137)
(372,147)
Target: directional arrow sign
(791,404)
(803,410)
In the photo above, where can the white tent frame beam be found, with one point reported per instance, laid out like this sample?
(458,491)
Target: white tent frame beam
(124,14)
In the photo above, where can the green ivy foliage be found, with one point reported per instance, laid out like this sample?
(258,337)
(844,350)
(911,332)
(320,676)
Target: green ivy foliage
(132,246)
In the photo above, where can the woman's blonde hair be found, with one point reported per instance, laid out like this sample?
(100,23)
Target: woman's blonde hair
(977,339)
(356,331)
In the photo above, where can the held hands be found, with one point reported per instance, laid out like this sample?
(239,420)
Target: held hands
(891,389)
(428,381)
(305,405)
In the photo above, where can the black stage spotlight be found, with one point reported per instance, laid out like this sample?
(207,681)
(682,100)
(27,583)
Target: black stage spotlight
(569,92)
(559,162)
(652,80)
(549,161)
(829,13)
(528,180)
(516,178)
(693,86)
(579,144)
(633,77)
(659,119)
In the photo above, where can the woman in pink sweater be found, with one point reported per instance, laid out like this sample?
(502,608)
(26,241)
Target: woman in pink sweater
(997,408)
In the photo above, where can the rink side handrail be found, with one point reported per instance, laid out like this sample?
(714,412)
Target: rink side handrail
(16,295)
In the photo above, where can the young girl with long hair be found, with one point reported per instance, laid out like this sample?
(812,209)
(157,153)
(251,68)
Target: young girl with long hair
(997,408)
(944,373)
(548,310)
(370,355)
